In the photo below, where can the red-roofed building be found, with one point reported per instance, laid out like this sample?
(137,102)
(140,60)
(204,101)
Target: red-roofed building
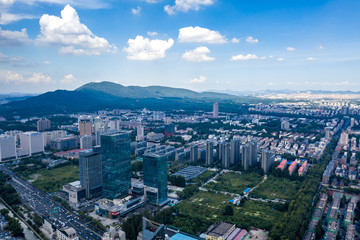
(292,167)
(282,165)
(303,169)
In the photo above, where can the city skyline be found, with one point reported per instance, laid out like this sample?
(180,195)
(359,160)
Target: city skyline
(238,45)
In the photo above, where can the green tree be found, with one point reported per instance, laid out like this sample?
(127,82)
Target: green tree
(228,210)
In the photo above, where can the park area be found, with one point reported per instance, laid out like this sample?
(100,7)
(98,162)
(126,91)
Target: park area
(234,182)
(52,180)
(204,208)
(280,188)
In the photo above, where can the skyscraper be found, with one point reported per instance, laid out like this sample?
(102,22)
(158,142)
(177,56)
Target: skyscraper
(90,164)
(155,174)
(209,153)
(235,152)
(116,164)
(253,153)
(43,125)
(226,156)
(267,160)
(194,154)
(220,149)
(86,142)
(140,133)
(85,126)
(216,109)
(249,155)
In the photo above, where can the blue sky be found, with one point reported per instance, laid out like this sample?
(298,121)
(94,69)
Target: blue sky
(195,44)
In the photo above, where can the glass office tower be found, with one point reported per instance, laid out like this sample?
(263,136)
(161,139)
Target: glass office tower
(116,164)
(90,164)
(155,174)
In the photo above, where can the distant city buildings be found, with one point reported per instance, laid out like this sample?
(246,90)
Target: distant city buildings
(43,125)
(116,171)
(285,125)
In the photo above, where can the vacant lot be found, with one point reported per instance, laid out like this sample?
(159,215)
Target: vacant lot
(274,187)
(234,182)
(52,180)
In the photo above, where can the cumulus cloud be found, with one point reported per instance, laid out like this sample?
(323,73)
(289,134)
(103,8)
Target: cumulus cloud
(311,59)
(280,59)
(199,54)
(235,40)
(145,49)
(201,79)
(250,39)
(46,62)
(68,79)
(74,37)
(6,2)
(152,34)
(320,47)
(136,11)
(290,49)
(14,38)
(6,18)
(35,78)
(241,57)
(200,35)
(186,5)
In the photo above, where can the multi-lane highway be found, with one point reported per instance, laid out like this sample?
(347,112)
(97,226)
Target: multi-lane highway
(43,205)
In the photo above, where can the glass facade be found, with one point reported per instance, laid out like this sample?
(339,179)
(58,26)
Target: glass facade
(116,165)
(155,174)
(90,172)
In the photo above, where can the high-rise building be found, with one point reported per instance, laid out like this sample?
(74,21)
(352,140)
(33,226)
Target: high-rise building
(267,160)
(209,153)
(155,174)
(220,150)
(90,163)
(32,142)
(85,126)
(97,124)
(344,138)
(194,155)
(116,164)
(285,125)
(7,147)
(140,133)
(53,135)
(327,133)
(216,109)
(158,115)
(226,156)
(86,142)
(249,155)
(43,125)
(235,152)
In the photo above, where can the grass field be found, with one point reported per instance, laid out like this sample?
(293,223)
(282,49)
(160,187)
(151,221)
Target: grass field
(234,182)
(52,180)
(274,187)
(208,207)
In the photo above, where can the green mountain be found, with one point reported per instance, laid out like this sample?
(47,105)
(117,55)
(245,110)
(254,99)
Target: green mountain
(107,95)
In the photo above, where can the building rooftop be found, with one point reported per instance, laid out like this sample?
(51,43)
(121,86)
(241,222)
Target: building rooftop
(220,229)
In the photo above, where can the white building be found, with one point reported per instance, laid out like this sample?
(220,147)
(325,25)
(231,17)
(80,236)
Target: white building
(140,133)
(7,147)
(53,135)
(285,125)
(66,233)
(86,142)
(32,143)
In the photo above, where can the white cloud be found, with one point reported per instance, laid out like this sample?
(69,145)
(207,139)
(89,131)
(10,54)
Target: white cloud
(4,58)
(200,35)
(320,47)
(74,37)
(6,18)
(241,57)
(46,62)
(6,2)
(250,39)
(68,79)
(136,11)
(14,38)
(311,59)
(290,49)
(90,4)
(281,59)
(199,54)
(152,34)
(152,1)
(201,79)
(235,40)
(35,78)
(145,49)
(186,5)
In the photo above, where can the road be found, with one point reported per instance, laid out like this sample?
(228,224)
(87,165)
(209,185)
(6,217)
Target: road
(44,206)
